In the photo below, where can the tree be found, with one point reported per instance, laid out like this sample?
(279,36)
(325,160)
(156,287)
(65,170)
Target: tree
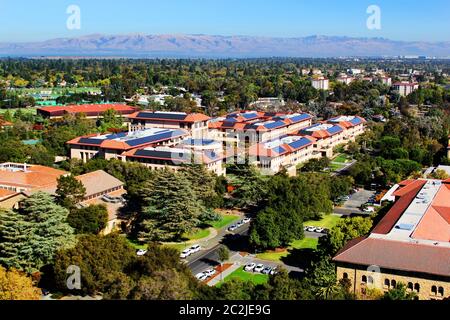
(30,238)
(170,207)
(92,219)
(344,231)
(70,191)
(111,120)
(399,293)
(16,286)
(223,255)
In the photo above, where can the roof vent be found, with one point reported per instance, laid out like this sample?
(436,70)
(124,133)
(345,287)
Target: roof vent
(404,226)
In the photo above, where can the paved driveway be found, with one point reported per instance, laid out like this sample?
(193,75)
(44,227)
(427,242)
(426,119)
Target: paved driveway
(353,205)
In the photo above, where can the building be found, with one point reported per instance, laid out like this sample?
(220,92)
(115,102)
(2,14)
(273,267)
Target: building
(20,177)
(345,79)
(320,83)
(254,127)
(285,152)
(111,146)
(405,88)
(353,125)
(327,136)
(92,111)
(386,80)
(159,158)
(195,123)
(5,124)
(410,245)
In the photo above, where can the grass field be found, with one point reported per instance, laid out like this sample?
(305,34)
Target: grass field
(328,222)
(342,158)
(307,243)
(24,110)
(199,234)
(256,278)
(226,220)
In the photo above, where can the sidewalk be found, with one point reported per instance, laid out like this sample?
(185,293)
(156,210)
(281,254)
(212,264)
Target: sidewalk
(217,279)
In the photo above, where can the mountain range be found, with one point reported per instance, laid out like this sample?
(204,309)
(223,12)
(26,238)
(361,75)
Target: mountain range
(212,46)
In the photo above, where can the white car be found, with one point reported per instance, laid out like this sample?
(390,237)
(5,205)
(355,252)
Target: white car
(259,268)
(186,253)
(273,271)
(232,228)
(210,272)
(369,209)
(311,229)
(319,230)
(201,276)
(246,220)
(240,224)
(250,267)
(195,248)
(141,252)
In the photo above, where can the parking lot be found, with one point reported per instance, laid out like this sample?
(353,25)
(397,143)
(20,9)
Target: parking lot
(353,205)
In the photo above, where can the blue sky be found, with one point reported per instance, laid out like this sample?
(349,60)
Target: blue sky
(24,20)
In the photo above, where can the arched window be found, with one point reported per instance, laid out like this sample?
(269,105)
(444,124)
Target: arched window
(441,291)
(417,287)
(364,279)
(370,280)
(387,282)
(434,290)
(393,283)
(345,275)
(410,286)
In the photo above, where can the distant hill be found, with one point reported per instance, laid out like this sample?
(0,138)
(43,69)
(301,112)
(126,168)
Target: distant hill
(223,46)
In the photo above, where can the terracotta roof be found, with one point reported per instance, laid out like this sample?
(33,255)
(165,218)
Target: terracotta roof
(6,193)
(98,182)
(397,255)
(169,116)
(88,108)
(35,177)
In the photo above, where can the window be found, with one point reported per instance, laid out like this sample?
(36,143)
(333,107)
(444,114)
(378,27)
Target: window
(345,275)
(393,283)
(441,291)
(434,290)
(364,279)
(417,287)
(370,280)
(386,283)
(410,286)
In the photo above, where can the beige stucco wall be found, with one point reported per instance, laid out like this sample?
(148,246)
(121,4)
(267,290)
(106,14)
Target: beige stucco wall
(424,292)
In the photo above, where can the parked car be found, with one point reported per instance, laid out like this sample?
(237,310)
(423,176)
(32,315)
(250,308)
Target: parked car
(259,268)
(186,253)
(266,270)
(274,271)
(195,248)
(247,220)
(201,276)
(239,224)
(345,198)
(311,229)
(141,252)
(369,209)
(210,272)
(232,228)
(319,230)
(250,267)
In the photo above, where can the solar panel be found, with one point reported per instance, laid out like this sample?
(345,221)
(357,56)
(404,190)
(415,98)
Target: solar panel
(164,135)
(356,121)
(162,116)
(91,141)
(303,142)
(249,115)
(279,149)
(274,125)
(175,157)
(301,117)
(334,130)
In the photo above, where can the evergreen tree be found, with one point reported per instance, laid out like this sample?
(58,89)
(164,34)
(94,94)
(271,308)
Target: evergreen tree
(30,237)
(70,191)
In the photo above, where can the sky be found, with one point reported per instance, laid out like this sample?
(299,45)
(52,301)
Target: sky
(408,20)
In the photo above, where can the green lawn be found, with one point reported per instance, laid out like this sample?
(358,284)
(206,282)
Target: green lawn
(226,220)
(306,243)
(199,234)
(342,158)
(328,222)
(256,278)
(24,110)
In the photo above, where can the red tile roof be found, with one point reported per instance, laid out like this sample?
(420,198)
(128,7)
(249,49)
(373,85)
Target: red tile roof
(397,255)
(87,109)
(408,193)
